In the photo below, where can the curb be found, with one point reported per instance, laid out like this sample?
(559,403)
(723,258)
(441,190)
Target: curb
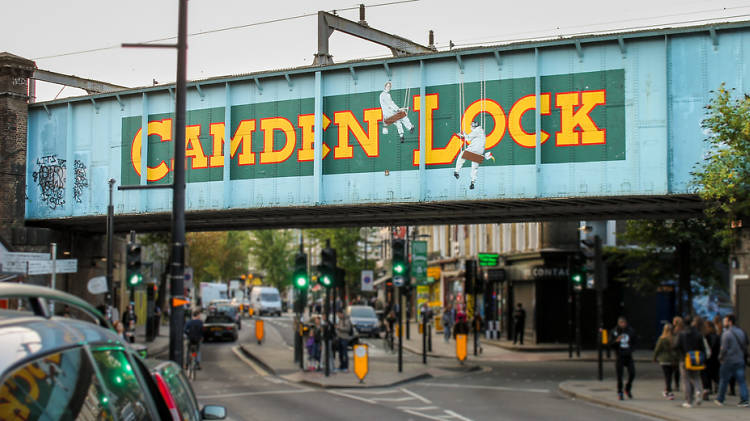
(421,376)
(257,360)
(613,404)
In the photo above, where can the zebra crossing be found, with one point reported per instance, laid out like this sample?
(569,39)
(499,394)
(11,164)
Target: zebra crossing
(403,400)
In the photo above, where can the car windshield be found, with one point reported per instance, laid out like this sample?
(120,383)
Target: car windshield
(225,309)
(269,296)
(363,312)
(218,319)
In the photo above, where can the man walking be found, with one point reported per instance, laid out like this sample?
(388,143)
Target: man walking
(519,324)
(448,319)
(344,333)
(623,343)
(732,355)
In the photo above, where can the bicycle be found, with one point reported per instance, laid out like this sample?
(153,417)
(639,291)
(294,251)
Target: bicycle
(191,367)
(388,340)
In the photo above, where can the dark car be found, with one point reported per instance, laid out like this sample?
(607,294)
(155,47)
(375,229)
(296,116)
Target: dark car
(59,368)
(178,395)
(232,311)
(219,327)
(364,320)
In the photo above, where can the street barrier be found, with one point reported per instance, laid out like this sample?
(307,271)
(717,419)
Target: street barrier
(461,346)
(361,361)
(259,330)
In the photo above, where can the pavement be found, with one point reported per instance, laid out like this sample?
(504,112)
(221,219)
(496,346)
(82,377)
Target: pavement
(503,350)
(159,347)
(647,400)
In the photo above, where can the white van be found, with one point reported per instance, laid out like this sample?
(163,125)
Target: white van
(265,300)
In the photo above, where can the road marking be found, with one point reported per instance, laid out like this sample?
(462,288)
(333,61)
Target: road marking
(421,398)
(418,408)
(268,392)
(402,399)
(247,361)
(346,395)
(500,388)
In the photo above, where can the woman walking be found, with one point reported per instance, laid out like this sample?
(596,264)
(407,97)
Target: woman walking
(711,373)
(667,358)
(678,325)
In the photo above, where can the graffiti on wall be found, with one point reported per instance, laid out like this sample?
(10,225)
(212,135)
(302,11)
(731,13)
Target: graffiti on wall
(50,177)
(80,179)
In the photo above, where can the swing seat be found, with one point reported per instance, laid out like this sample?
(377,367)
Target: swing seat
(395,117)
(473,157)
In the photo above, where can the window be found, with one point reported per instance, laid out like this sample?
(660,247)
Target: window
(534,235)
(60,386)
(507,238)
(125,397)
(520,237)
(181,392)
(218,319)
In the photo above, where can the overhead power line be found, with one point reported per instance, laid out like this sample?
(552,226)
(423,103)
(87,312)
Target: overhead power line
(224,29)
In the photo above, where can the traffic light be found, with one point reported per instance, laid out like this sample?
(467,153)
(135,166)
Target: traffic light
(327,266)
(133,265)
(471,276)
(300,279)
(399,257)
(594,264)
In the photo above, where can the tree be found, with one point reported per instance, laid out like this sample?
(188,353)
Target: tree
(723,178)
(272,252)
(685,250)
(218,256)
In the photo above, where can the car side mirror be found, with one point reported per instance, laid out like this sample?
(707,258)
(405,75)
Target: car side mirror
(213,412)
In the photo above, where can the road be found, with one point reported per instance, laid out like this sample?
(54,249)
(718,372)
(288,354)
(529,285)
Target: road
(501,391)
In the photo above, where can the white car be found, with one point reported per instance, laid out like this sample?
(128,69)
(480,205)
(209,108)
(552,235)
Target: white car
(265,300)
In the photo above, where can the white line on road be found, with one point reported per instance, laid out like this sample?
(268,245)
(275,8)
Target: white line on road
(267,392)
(346,395)
(416,396)
(418,408)
(455,415)
(468,386)
(402,399)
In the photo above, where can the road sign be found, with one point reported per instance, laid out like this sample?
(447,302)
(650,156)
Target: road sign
(398,281)
(367,276)
(97,285)
(16,262)
(179,301)
(488,259)
(419,261)
(361,363)
(42,267)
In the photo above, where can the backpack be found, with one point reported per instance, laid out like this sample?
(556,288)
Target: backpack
(695,360)
(194,331)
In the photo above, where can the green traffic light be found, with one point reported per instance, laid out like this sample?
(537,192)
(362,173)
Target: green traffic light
(301,282)
(325,280)
(398,268)
(135,279)
(577,278)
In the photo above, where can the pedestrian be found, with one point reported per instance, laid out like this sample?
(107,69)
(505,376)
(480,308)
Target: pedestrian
(733,357)
(692,360)
(711,373)
(665,355)
(623,341)
(719,324)
(194,333)
(447,319)
(344,333)
(317,334)
(129,319)
(462,325)
(120,329)
(519,323)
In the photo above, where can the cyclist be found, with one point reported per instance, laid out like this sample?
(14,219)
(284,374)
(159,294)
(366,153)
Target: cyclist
(194,333)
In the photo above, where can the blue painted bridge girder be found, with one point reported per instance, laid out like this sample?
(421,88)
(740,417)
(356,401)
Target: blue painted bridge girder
(584,128)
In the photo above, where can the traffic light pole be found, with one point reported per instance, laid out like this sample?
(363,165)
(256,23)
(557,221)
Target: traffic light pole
(327,331)
(599,284)
(177,269)
(570,312)
(400,330)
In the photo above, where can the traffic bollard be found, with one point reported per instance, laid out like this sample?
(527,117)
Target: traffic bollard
(259,331)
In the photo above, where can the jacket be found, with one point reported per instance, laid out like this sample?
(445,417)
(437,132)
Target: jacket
(664,354)
(689,340)
(344,329)
(733,346)
(626,344)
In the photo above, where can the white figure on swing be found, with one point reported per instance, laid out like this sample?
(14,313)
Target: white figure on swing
(474,152)
(392,114)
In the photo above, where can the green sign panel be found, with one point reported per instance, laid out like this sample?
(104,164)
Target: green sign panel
(419,261)
(488,259)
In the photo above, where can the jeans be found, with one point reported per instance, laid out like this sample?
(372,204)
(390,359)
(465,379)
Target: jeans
(447,332)
(668,373)
(620,364)
(693,384)
(737,372)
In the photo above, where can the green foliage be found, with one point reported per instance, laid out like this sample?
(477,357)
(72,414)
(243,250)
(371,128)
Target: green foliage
(723,178)
(218,256)
(348,243)
(272,252)
(654,260)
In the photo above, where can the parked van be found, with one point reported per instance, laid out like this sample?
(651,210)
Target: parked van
(265,300)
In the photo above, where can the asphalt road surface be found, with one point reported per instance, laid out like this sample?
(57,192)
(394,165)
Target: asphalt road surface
(502,391)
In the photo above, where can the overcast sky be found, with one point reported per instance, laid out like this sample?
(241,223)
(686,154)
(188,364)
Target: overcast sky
(45,30)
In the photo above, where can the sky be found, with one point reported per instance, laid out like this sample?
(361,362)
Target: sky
(48,31)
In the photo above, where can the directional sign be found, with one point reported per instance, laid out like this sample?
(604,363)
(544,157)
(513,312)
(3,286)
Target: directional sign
(16,261)
(42,267)
(398,281)
(488,259)
(419,261)
(179,301)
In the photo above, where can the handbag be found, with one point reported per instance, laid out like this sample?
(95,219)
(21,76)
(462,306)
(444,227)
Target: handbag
(695,360)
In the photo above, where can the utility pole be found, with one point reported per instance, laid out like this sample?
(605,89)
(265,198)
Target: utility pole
(599,284)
